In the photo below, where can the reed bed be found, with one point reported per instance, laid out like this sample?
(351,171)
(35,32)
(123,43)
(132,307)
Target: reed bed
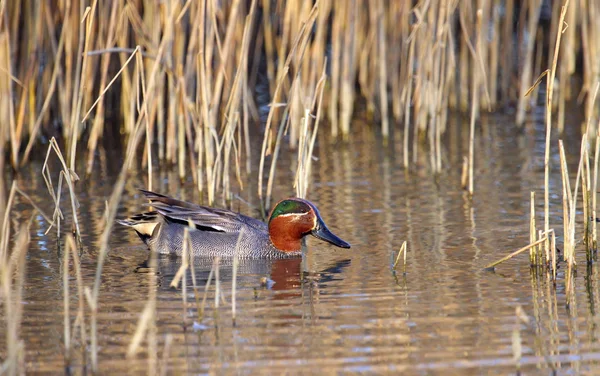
(202,63)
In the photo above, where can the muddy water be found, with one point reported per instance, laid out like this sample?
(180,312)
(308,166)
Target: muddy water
(338,310)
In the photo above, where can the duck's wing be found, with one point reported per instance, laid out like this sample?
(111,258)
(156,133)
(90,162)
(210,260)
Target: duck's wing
(202,217)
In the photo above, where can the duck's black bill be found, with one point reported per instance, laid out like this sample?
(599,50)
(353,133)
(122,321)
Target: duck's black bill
(323,233)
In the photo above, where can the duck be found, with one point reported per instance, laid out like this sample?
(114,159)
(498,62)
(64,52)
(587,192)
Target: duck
(224,233)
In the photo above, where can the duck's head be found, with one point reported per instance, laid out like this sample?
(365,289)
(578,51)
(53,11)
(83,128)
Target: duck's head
(294,218)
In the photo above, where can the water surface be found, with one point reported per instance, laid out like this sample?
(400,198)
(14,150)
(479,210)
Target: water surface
(338,310)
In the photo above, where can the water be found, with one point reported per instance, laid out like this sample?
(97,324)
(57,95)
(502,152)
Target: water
(338,310)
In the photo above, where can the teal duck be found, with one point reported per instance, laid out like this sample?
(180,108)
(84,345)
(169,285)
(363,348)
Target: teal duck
(215,232)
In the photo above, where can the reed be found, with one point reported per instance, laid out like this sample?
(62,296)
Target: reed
(401,252)
(70,177)
(533,254)
(549,95)
(111,210)
(515,253)
(200,63)
(569,204)
(595,189)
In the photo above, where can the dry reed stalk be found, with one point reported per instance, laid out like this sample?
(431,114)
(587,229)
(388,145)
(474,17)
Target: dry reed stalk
(549,94)
(585,192)
(308,139)
(348,73)
(569,203)
(515,253)
(533,254)
(7,104)
(494,59)
(70,178)
(98,125)
(233,106)
(141,81)
(336,53)
(408,90)
(534,8)
(474,101)
(81,82)
(282,126)
(47,100)
(382,62)
(112,206)
(294,50)
(401,252)
(595,189)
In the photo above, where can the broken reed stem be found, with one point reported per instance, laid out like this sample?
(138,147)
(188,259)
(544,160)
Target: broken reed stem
(70,177)
(117,75)
(402,252)
(521,250)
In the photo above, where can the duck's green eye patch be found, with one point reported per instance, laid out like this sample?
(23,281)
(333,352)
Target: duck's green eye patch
(289,207)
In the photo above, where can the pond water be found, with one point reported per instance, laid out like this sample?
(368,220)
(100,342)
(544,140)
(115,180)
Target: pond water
(338,310)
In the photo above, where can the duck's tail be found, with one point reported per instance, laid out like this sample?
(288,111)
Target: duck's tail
(144,224)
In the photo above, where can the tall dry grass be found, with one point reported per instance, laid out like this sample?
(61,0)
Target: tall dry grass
(410,62)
